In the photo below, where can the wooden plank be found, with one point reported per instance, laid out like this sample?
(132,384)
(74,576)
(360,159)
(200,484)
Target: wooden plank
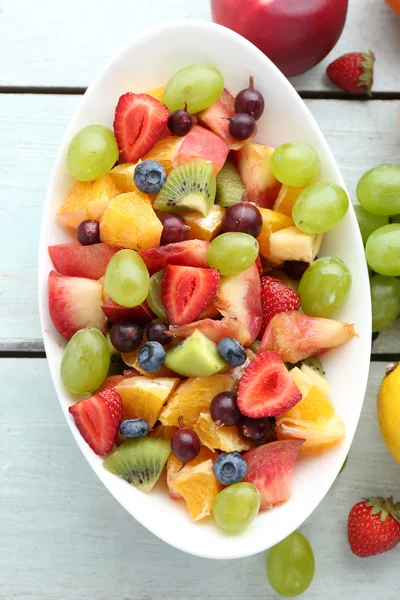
(65,538)
(361,134)
(43,46)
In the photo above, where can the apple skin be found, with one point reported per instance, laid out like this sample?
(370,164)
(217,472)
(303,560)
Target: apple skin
(295,34)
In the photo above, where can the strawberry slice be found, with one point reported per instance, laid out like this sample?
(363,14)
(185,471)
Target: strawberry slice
(75,260)
(116,313)
(98,419)
(192,253)
(270,469)
(140,120)
(186,291)
(266,388)
(276,297)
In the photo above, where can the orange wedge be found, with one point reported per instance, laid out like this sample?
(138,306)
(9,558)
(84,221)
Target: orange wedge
(219,438)
(205,228)
(174,466)
(166,152)
(272,221)
(163,431)
(198,487)
(286,198)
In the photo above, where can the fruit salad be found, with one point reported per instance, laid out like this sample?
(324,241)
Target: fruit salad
(193,304)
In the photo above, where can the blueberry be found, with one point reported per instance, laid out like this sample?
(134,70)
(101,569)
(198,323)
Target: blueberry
(134,428)
(151,357)
(149,176)
(230,467)
(232,351)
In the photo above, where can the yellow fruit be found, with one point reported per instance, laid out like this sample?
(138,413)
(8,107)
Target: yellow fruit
(292,244)
(286,198)
(163,431)
(129,221)
(313,418)
(157,93)
(205,228)
(87,200)
(143,398)
(219,438)
(272,221)
(198,487)
(388,404)
(122,175)
(193,397)
(174,466)
(166,152)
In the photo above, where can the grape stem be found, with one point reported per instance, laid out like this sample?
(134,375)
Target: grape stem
(251,80)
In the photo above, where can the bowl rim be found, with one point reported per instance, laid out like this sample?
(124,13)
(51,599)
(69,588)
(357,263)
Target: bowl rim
(143,37)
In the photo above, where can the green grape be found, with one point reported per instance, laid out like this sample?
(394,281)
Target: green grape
(324,287)
(198,85)
(154,299)
(86,361)
(295,164)
(383,250)
(127,278)
(368,222)
(291,565)
(385,298)
(379,190)
(236,507)
(232,253)
(92,152)
(320,207)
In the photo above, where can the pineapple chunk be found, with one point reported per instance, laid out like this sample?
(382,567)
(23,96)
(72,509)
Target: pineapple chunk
(272,221)
(293,244)
(122,175)
(157,93)
(286,198)
(129,221)
(205,228)
(254,164)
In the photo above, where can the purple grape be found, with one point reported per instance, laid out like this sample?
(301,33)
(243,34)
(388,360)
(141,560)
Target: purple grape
(126,336)
(88,232)
(185,443)
(180,122)
(242,126)
(174,230)
(250,101)
(254,430)
(242,217)
(295,269)
(158,332)
(224,410)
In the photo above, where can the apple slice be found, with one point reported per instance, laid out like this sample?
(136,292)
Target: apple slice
(75,303)
(270,469)
(295,336)
(116,313)
(239,297)
(75,260)
(253,162)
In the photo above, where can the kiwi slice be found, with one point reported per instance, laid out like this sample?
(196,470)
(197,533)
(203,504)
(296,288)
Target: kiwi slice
(313,363)
(197,356)
(230,187)
(190,186)
(117,365)
(140,461)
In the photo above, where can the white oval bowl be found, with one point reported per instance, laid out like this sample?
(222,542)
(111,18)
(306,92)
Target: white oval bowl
(147,62)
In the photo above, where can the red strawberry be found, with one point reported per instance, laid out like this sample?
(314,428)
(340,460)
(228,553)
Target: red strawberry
(353,72)
(98,419)
(186,291)
(192,253)
(270,469)
(373,526)
(117,313)
(75,260)
(266,388)
(259,266)
(110,381)
(75,303)
(276,297)
(140,120)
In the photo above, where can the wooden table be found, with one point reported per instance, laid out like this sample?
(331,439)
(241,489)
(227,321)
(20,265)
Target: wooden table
(62,536)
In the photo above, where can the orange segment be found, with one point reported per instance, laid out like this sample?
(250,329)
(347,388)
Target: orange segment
(198,487)
(193,397)
(129,221)
(163,431)
(166,152)
(122,175)
(143,398)
(272,221)
(87,200)
(131,360)
(219,438)
(313,418)
(205,228)
(286,198)
(157,93)
(174,466)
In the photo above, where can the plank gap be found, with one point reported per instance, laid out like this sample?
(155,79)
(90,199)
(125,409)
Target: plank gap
(388,357)
(21,354)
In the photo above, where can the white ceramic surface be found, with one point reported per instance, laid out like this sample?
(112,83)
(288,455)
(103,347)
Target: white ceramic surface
(147,62)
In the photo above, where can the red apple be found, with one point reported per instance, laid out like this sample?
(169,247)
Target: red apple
(295,34)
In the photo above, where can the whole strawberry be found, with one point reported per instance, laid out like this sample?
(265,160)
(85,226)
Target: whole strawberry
(373,526)
(276,297)
(353,72)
